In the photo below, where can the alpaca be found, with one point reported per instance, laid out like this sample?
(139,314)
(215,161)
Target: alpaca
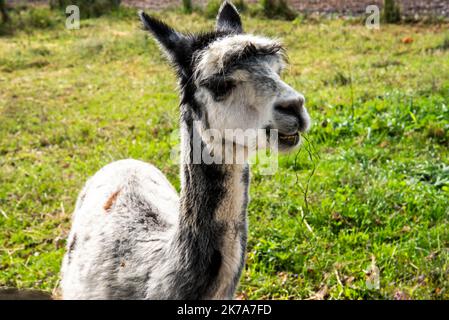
(132,236)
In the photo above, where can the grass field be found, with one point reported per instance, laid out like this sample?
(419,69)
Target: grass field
(371,196)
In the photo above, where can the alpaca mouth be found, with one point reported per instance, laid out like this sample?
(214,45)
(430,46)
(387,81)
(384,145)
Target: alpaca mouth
(289,139)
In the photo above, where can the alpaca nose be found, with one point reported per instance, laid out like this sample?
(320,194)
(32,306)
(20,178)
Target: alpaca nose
(291,107)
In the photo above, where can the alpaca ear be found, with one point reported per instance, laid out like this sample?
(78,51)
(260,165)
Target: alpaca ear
(228,18)
(173,43)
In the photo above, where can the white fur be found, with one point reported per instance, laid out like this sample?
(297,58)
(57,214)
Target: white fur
(247,107)
(94,225)
(99,216)
(210,60)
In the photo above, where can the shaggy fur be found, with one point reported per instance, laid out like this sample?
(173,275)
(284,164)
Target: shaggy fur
(132,236)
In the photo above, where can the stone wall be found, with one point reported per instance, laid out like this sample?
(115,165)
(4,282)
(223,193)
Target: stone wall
(409,7)
(348,7)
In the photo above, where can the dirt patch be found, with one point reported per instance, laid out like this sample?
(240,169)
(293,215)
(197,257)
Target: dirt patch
(23,294)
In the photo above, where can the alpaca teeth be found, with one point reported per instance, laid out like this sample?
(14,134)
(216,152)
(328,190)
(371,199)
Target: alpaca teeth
(289,138)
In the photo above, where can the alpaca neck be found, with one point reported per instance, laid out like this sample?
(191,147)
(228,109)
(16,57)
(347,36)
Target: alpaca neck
(211,235)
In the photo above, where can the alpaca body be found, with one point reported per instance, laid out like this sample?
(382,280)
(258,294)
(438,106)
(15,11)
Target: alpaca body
(122,222)
(125,234)
(132,237)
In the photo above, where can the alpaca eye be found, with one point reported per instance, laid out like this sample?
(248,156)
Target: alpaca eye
(219,87)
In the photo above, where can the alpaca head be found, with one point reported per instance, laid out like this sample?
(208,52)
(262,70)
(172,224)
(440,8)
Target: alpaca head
(231,81)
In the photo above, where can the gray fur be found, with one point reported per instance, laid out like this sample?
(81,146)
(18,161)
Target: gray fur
(132,236)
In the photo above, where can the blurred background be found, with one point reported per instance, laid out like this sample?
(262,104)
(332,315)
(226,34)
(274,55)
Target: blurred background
(360,211)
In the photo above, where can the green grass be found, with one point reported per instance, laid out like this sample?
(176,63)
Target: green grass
(72,101)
